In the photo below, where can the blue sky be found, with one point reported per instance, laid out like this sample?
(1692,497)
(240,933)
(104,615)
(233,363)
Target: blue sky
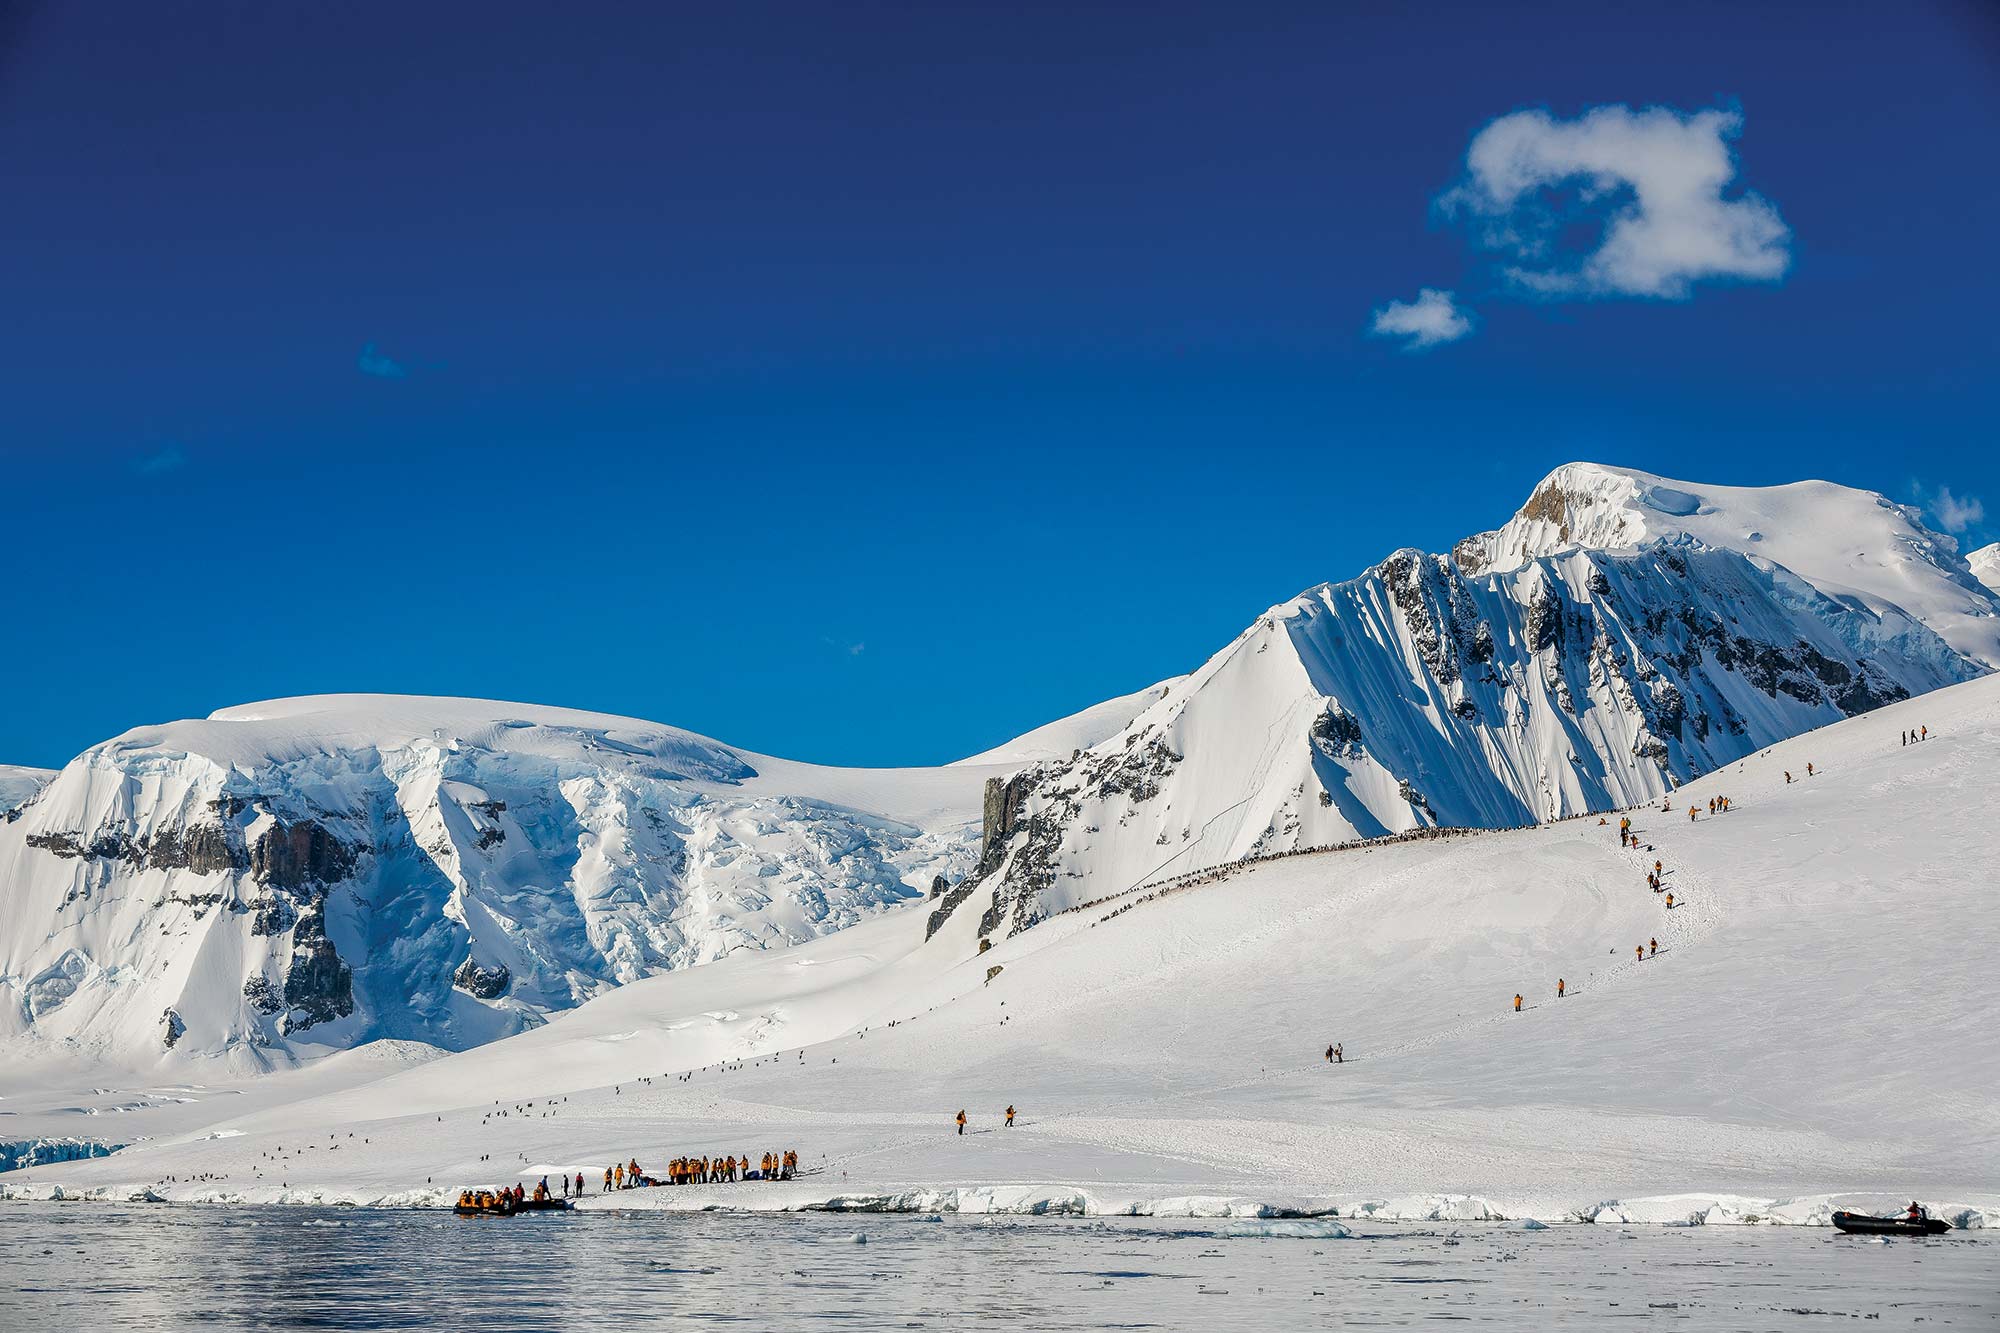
(869,383)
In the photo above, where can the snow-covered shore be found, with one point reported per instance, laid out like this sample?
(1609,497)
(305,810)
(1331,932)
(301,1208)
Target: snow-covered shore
(1816,1031)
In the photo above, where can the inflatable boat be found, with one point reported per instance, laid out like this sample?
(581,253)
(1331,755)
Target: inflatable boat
(1861,1224)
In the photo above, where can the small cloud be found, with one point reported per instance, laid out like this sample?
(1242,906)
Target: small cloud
(1954,513)
(167,458)
(1646,188)
(375,363)
(1431,320)
(842,645)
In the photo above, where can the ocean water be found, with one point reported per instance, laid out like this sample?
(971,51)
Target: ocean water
(71,1266)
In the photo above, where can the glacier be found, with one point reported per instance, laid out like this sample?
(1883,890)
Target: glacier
(291,877)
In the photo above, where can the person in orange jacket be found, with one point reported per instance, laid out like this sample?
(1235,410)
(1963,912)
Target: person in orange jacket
(1517,1003)
(1010,1117)
(1670,902)
(1655,943)
(1560,987)
(961,1121)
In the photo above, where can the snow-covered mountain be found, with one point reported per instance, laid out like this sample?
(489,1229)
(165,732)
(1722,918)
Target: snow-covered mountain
(316,872)
(1620,635)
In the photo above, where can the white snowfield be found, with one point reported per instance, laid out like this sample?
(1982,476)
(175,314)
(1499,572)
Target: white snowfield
(1819,1028)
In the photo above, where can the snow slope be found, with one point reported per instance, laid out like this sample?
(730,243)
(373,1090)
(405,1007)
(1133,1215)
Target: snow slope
(289,877)
(1847,543)
(1818,1029)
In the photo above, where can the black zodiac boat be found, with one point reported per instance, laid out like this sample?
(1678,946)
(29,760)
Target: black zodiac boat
(1861,1224)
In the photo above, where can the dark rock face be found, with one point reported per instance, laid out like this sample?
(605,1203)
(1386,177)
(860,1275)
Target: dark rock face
(938,885)
(1438,609)
(318,986)
(205,849)
(484,982)
(175,1029)
(289,856)
(1005,798)
(949,904)
(271,916)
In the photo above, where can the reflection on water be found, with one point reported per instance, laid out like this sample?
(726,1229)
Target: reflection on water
(79,1265)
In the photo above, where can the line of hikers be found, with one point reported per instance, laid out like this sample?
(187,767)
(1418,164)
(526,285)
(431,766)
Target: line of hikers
(700,1171)
(1639,952)
(1920,734)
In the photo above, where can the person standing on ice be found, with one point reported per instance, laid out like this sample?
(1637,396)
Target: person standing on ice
(1655,943)
(1670,902)
(961,1121)
(1559,987)
(1639,952)
(1517,1003)
(1339,1056)
(1010,1117)
(1809,770)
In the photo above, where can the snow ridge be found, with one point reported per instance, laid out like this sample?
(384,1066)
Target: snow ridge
(1594,653)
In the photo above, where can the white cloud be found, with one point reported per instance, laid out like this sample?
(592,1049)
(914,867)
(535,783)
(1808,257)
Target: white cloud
(1431,320)
(1955,513)
(376,363)
(1653,181)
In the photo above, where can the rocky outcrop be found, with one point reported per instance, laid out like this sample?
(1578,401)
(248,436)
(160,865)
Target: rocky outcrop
(289,856)
(262,995)
(172,1028)
(319,987)
(485,983)
(1001,814)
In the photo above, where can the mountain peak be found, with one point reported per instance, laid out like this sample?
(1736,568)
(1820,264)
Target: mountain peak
(1850,544)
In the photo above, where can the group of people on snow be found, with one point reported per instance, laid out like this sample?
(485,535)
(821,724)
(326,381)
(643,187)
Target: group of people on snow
(725,1170)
